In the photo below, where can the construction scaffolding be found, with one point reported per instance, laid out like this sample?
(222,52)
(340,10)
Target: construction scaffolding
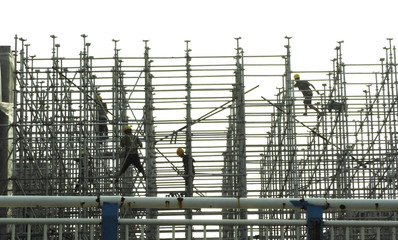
(238,118)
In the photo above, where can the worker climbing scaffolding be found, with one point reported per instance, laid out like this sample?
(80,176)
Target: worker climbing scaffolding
(189,169)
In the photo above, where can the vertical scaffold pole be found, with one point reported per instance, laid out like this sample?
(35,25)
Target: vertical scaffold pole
(14,113)
(118,101)
(20,115)
(189,188)
(228,179)
(290,122)
(239,91)
(150,159)
(85,125)
(291,129)
(189,121)
(393,112)
(6,117)
(345,144)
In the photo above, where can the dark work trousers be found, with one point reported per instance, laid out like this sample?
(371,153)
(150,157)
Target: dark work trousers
(132,159)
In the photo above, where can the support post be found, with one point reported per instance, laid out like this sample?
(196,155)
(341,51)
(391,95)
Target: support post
(6,100)
(150,154)
(314,223)
(239,97)
(291,128)
(109,221)
(189,187)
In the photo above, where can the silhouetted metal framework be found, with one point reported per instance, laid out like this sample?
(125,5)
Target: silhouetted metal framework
(239,119)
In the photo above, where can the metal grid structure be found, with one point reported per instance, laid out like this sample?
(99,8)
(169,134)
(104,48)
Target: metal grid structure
(239,117)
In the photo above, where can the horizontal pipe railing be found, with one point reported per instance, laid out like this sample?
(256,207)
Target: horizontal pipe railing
(174,222)
(198,202)
(110,221)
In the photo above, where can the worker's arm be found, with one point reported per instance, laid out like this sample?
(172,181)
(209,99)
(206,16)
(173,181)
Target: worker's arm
(123,142)
(315,89)
(139,142)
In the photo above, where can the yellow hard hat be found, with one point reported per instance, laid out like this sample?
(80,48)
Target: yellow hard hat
(82,153)
(180,151)
(99,96)
(127,128)
(296,76)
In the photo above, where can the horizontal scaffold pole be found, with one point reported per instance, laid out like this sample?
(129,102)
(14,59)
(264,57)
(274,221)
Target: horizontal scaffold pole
(168,222)
(198,202)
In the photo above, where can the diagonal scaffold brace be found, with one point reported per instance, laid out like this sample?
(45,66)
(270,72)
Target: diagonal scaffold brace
(204,117)
(314,132)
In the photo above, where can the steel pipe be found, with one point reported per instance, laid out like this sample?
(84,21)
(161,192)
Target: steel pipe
(198,202)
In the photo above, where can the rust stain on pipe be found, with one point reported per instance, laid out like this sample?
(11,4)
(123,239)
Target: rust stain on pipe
(98,200)
(180,202)
(167,204)
(122,201)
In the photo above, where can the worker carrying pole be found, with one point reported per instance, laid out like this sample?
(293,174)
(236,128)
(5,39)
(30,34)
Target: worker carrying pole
(304,87)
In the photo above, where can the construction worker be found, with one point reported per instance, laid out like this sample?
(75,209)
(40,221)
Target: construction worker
(186,162)
(304,87)
(130,144)
(82,170)
(102,118)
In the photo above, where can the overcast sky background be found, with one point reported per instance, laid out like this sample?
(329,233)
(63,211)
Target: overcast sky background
(211,25)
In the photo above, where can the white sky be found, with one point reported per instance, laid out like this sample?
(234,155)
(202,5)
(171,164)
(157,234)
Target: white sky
(211,25)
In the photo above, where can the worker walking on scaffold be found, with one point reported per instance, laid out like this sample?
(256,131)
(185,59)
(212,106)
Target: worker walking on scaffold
(130,144)
(304,87)
(188,165)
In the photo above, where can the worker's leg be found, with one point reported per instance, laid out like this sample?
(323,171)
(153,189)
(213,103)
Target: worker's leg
(102,127)
(307,102)
(315,108)
(106,129)
(138,165)
(186,180)
(124,168)
(126,165)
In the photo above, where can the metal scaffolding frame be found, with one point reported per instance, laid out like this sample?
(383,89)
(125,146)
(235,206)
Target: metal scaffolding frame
(239,118)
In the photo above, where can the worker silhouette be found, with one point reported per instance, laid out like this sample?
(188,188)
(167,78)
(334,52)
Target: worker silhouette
(304,87)
(130,144)
(82,169)
(187,164)
(102,119)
